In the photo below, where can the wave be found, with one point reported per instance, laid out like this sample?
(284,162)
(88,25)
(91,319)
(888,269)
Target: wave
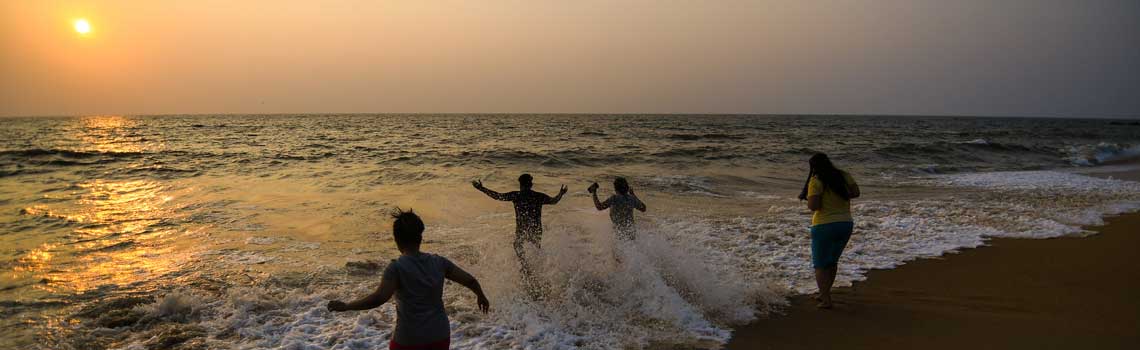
(680,184)
(707,136)
(113,247)
(959,149)
(1102,153)
(973,155)
(690,152)
(24,171)
(39,152)
(569,158)
(158,169)
(31,161)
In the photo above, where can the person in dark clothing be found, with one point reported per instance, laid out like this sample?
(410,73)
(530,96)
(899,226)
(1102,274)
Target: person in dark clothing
(621,206)
(528,217)
(528,209)
(416,279)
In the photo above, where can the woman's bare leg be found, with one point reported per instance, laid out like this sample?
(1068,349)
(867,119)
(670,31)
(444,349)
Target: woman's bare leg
(824,279)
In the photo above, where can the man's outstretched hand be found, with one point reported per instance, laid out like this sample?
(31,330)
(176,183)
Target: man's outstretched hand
(563,190)
(337,305)
(478,184)
(484,304)
(593,188)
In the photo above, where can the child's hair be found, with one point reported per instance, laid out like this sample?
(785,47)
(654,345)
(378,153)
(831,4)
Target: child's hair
(621,186)
(408,229)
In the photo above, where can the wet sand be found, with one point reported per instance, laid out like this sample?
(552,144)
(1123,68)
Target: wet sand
(1063,293)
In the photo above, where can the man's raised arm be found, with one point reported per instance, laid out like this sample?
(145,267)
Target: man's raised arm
(558,197)
(495,195)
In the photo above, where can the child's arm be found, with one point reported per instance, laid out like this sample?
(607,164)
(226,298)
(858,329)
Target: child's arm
(379,297)
(594,191)
(457,274)
(637,201)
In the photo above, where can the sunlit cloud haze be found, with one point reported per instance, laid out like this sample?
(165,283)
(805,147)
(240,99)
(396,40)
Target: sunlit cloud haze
(1023,58)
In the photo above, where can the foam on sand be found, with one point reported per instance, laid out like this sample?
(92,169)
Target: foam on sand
(1031,204)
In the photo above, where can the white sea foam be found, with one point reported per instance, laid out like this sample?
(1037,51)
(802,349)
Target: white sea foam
(765,196)
(661,292)
(1035,204)
(261,240)
(698,185)
(1037,181)
(1088,155)
(236,257)
(179,305)
(1052,203)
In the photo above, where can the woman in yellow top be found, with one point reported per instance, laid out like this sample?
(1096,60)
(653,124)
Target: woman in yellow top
(828,192)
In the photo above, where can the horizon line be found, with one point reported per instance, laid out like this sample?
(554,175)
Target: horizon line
(576,114)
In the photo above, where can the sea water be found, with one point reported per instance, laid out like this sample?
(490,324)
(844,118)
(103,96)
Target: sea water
(233,231)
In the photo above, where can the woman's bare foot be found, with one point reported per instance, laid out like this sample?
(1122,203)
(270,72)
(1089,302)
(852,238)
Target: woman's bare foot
(824,302)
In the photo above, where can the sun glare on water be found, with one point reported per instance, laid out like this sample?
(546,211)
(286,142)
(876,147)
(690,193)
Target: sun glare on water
(82,26)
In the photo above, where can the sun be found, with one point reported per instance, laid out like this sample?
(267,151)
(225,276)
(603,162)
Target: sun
(82,26)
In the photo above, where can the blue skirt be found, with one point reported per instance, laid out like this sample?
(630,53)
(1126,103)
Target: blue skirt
(828,241)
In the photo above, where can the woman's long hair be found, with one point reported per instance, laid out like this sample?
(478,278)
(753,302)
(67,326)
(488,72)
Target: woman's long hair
(831,177)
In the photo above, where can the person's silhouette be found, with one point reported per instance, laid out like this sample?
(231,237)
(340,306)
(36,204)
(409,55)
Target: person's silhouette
(528,213)
(416,279)
(621,206)
(829,192)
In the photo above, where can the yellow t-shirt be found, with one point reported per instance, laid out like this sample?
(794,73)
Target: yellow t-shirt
(835,208)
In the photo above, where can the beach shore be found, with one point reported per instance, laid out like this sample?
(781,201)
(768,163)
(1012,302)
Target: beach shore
(1063,293)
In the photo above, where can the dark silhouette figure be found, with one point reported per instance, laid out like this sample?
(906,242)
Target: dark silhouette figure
(621,206)
(416,279)
(528,213)
(828,191)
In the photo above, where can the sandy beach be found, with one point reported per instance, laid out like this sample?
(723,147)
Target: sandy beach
(1063,293)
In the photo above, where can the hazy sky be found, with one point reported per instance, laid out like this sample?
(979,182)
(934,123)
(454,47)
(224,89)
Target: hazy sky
(1077,58)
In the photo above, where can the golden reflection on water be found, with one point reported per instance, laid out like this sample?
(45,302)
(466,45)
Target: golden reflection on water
(117,243)
(116,227)
(113,133)
(34,261)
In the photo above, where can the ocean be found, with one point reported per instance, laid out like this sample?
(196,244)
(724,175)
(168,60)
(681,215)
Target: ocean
(233,231)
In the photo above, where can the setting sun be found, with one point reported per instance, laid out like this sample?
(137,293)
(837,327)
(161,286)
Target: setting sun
(82,26)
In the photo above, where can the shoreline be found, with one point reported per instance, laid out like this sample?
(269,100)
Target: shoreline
(1012,293)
